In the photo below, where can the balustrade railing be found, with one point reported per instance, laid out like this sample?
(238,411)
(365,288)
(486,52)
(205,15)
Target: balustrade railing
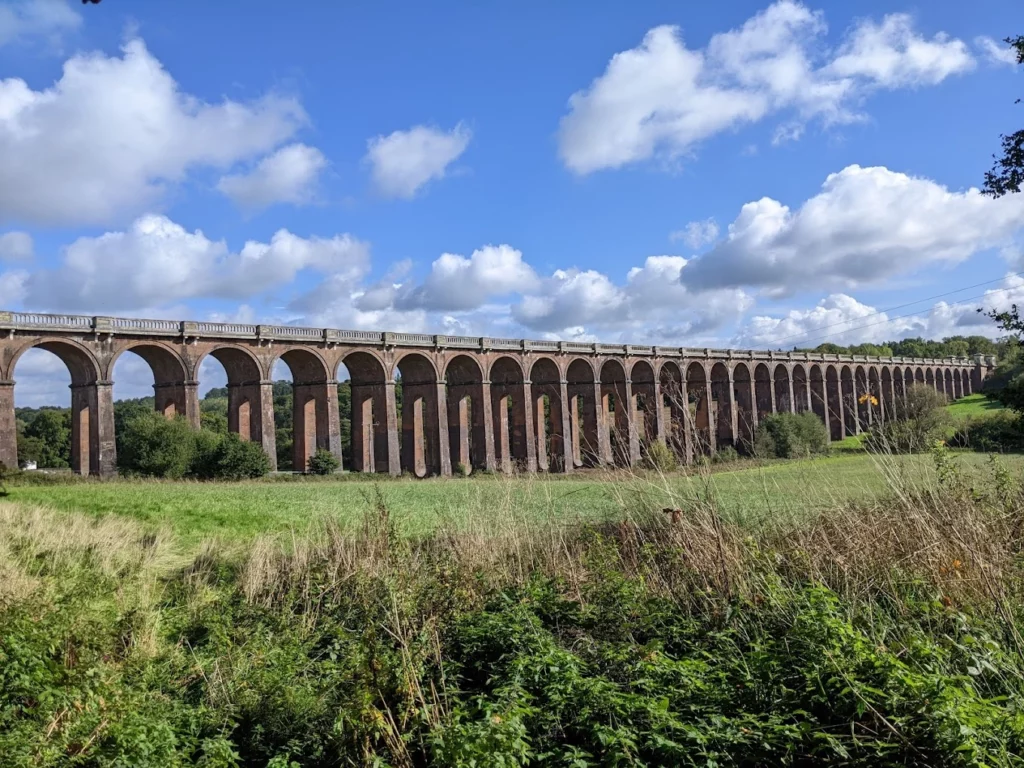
(40,321)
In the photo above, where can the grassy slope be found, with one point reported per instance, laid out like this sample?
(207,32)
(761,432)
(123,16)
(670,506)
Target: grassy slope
(973,405)
(241,510)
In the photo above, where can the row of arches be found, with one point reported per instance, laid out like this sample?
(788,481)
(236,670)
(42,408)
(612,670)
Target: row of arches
(434,413)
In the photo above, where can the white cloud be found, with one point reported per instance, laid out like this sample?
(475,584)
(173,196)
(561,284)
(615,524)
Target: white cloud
(289,175)
(456,283)
(108,137)
(156,262)
(866,225)
(661,98)
(31,19)
(894,56)
(653,304)
(13,287)
(15,246)
(842,319)
(697,233)
(997,53)
(402,162)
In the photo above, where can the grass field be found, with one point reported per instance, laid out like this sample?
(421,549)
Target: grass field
(237,511)
(973,405)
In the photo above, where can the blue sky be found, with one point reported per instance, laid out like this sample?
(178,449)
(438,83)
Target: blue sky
(754,175)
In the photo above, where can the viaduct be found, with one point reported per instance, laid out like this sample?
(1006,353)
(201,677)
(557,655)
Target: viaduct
(480,402)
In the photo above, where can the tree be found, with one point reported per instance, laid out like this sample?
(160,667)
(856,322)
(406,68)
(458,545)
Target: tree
(1008,171)
(52,428)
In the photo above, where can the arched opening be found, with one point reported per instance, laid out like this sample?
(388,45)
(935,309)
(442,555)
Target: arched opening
(967,377)
(834,398)
(949,390)
(919,376)
(743,396)
(874,392)
(511,415)
(313,405)
(550,418)
(929,378)
(801,395)
(466,427)
(783,389)
(721,405)
(79,437)
(421,427)
(819,403)
(250,399)
(764,392)
(699,409)
(372,408)
(645,410)
(850,420)
(862,405)
(583,396)
(908,378)
(614,420)
(888,408)
(958,384)
(674,410)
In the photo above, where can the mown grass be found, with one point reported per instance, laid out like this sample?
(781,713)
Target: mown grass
(973,405)
(238,511)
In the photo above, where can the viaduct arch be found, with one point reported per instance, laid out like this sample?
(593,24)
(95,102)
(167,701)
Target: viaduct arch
(467,402)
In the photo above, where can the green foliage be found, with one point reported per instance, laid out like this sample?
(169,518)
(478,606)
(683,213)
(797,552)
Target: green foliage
(951,346)
(660,457)
(48,438)
(228,457)
(725,455)
(790,436)
(323,462)
(155,446)
(997,432)
(1008,171)
(922,419)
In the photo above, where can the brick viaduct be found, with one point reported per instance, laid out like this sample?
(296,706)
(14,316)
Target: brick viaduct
(480,402)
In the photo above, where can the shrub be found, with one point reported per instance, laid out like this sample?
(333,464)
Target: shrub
(461,470)
(790,435)
(725,455)
(661,458)
(993,433)
(921,420)
(155,446)
(323,462)
(236,459)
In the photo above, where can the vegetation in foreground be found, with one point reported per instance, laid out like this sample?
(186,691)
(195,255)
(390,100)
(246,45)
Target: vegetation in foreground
(872,634)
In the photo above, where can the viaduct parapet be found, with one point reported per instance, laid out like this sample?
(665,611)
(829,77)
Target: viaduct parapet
(483,403)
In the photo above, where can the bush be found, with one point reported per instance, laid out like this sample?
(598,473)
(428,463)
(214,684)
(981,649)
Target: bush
(323,462)
(155,446)
(661,458)
(790,436)
(236,459)
(921,420)
(992,433)
(725,455)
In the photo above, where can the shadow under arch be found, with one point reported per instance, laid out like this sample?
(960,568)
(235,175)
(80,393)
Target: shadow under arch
(373,416)
(743,396)
(422,417)
(698,391)
(175,392)
(645,407)
(674,410)
(551,422)
(511,413)
(468,425)
(584,393)
(613,419)
(250,398)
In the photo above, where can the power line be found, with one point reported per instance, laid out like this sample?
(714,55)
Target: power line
(910,314)
(802,334)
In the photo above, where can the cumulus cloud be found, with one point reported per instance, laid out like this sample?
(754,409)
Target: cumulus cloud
(866,225)
(697,233)
(135,132)
(156,262)
(28,20)
(996,53)
(402,162)
(15,246)
(842,319)
(456,283)
(289,175)
(663,98)
(653,304)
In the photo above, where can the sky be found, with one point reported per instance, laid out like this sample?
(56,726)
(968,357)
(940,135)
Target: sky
(751,175)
